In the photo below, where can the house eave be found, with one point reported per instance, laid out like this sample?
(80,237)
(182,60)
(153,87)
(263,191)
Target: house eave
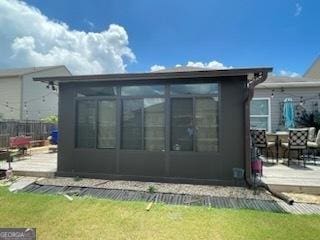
(288,85)
(156,75)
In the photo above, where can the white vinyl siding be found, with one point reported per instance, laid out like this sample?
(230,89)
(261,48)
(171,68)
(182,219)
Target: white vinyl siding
(311,95)
(38,106)
(10,95)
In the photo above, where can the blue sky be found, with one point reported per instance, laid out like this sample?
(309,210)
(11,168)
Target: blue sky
(282,34)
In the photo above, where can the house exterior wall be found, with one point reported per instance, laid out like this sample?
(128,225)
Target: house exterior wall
(167,165)
(10,91)
(32,93)
(310,96)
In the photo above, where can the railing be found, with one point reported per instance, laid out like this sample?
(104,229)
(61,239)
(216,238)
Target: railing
(38,130)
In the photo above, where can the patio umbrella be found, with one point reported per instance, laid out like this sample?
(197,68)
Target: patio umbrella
(288,113)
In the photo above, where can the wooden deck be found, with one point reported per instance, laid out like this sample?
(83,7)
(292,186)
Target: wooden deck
(39,164)
(278,176)
(294,178)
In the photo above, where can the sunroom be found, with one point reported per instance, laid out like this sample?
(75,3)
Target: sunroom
(180,126)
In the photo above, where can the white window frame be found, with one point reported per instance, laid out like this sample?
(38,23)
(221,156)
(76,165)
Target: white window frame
(269,111)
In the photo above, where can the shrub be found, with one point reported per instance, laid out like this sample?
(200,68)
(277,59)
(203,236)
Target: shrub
(311,119)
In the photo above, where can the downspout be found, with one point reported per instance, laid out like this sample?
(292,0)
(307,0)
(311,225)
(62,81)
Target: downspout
(252,82)
(256,79)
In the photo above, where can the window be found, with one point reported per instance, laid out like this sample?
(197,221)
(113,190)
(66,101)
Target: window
(182,124)
(96,124)
(143,124)
(195,89)
(206,115)
(143,90)
(194,112)
(260,113)
(96,91)
(86,124)
(107,124)
(132,124)
(154,124)
(194,119)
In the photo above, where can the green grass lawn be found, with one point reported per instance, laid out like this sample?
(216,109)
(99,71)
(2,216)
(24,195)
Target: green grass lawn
(55,217)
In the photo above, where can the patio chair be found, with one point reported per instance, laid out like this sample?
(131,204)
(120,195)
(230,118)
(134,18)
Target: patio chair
(314,146)
(311,135)
(259,140)
(22,143)
(297,141)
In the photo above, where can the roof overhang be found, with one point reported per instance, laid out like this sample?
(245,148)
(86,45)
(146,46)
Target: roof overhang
(288,85)
(158,75)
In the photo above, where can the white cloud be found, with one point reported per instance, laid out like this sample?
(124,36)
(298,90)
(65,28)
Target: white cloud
(288,73)
(29,38)
(213,64)
(157,68)
(298,10)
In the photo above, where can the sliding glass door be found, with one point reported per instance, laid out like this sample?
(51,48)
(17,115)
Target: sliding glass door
(96,124)
(106,124)
(143,124)
(86,124)
(182,127)
(194,124)
(206,124)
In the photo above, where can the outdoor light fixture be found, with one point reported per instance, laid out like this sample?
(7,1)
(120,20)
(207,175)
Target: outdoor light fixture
(301,101)
(51,84)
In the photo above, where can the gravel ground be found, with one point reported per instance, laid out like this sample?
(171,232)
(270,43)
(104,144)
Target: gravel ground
(219,191)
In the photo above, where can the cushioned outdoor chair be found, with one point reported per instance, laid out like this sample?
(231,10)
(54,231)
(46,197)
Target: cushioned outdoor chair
(312,134)
(297,141)
(260,141)
(314,146)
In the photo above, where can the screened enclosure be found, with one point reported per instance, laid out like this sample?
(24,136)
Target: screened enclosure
(180,126)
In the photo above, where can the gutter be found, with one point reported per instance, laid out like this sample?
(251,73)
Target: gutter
(256,79)
(289,85)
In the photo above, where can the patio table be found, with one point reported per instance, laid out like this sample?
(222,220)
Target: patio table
(278,135)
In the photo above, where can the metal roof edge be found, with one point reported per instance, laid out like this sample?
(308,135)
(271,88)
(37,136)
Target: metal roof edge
(155,75)
(32,70)
(290,85)
(47,68)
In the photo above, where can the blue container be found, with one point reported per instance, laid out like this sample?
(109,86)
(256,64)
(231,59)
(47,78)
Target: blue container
(54,137)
